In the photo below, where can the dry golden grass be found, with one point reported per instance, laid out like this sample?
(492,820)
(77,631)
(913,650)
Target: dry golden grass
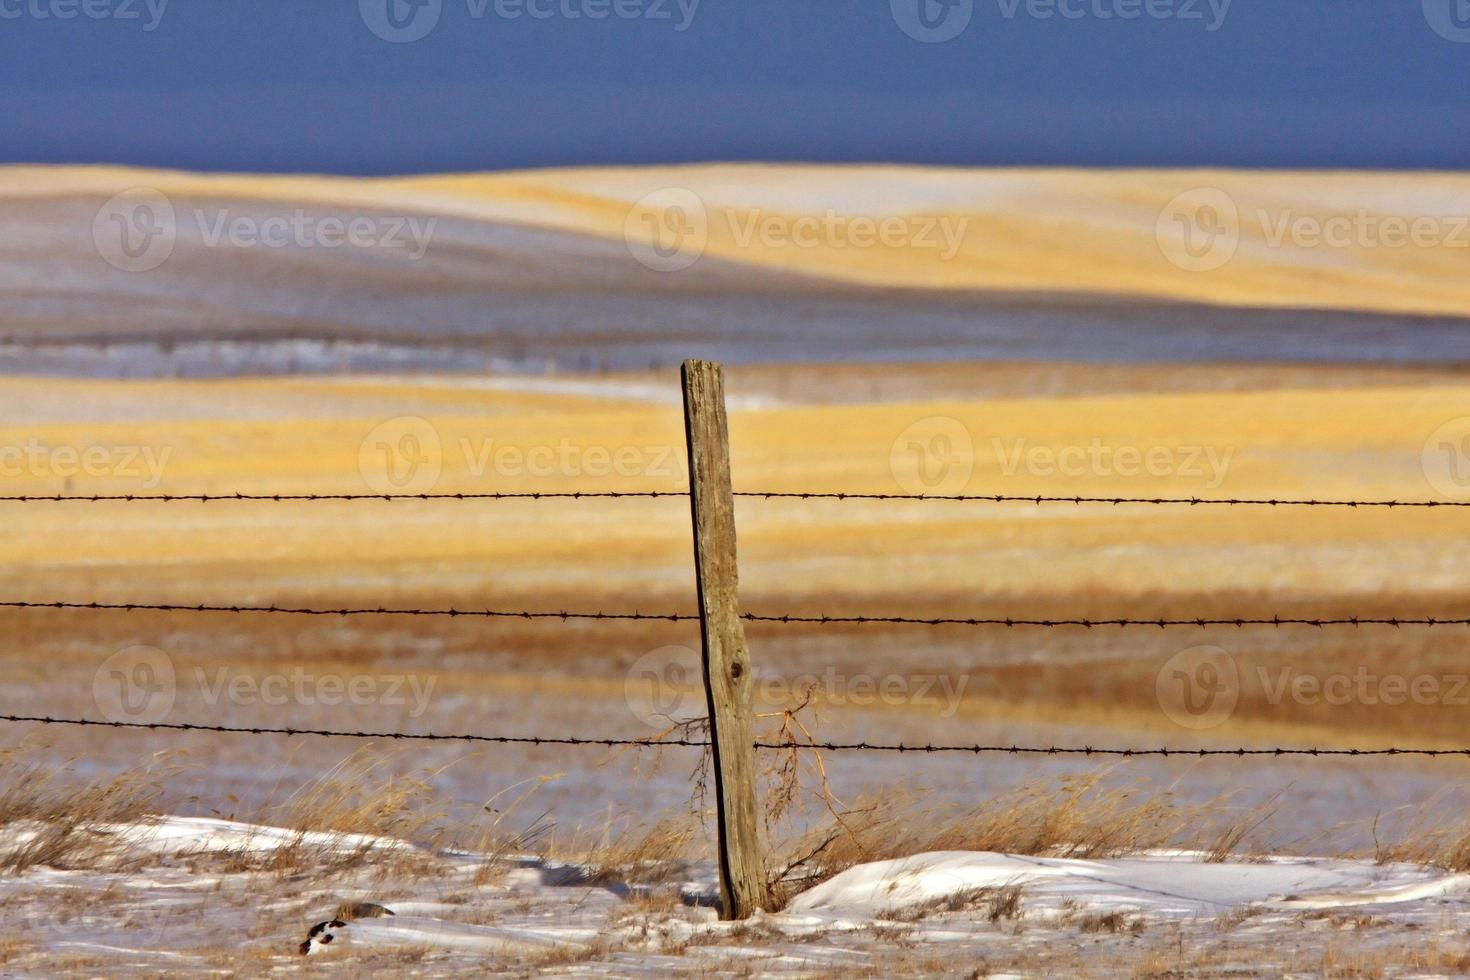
(61,819)
(61,815)
(994,904)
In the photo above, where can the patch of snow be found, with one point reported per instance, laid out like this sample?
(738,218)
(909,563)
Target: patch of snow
(433,933)
(166,836)
(884,916)
(1167,884)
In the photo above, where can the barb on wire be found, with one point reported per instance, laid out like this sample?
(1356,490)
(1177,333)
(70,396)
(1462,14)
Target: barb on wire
(659,742)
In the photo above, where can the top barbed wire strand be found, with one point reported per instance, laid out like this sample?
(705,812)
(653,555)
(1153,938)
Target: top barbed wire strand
(759,494)
(817,619)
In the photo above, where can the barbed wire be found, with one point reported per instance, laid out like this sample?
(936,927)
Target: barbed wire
(657,742)
(348,610)
(563,614)
(334,733)
(761,494)
(284,497)
(1000,498)
(1088,750)
(1201,622)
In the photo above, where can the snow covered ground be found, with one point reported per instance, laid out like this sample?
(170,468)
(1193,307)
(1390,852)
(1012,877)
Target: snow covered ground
(193,896)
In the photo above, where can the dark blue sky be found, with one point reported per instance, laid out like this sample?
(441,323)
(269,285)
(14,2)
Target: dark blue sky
(307,85)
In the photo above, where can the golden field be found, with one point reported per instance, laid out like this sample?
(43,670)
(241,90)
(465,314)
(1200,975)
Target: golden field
(1343,241)
(1345,437)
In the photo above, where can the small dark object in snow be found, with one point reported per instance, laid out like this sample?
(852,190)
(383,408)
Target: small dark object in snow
(323,933)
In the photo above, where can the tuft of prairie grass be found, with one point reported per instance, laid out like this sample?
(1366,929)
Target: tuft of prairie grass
(50,820)
(635,852)
(995,903)
(54,816)
(1430,838)
(358,797)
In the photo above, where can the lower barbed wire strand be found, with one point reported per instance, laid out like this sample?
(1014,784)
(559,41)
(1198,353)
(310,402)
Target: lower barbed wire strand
(704,743)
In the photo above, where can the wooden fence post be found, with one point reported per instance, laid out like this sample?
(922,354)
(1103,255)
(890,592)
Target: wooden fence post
(728,679)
